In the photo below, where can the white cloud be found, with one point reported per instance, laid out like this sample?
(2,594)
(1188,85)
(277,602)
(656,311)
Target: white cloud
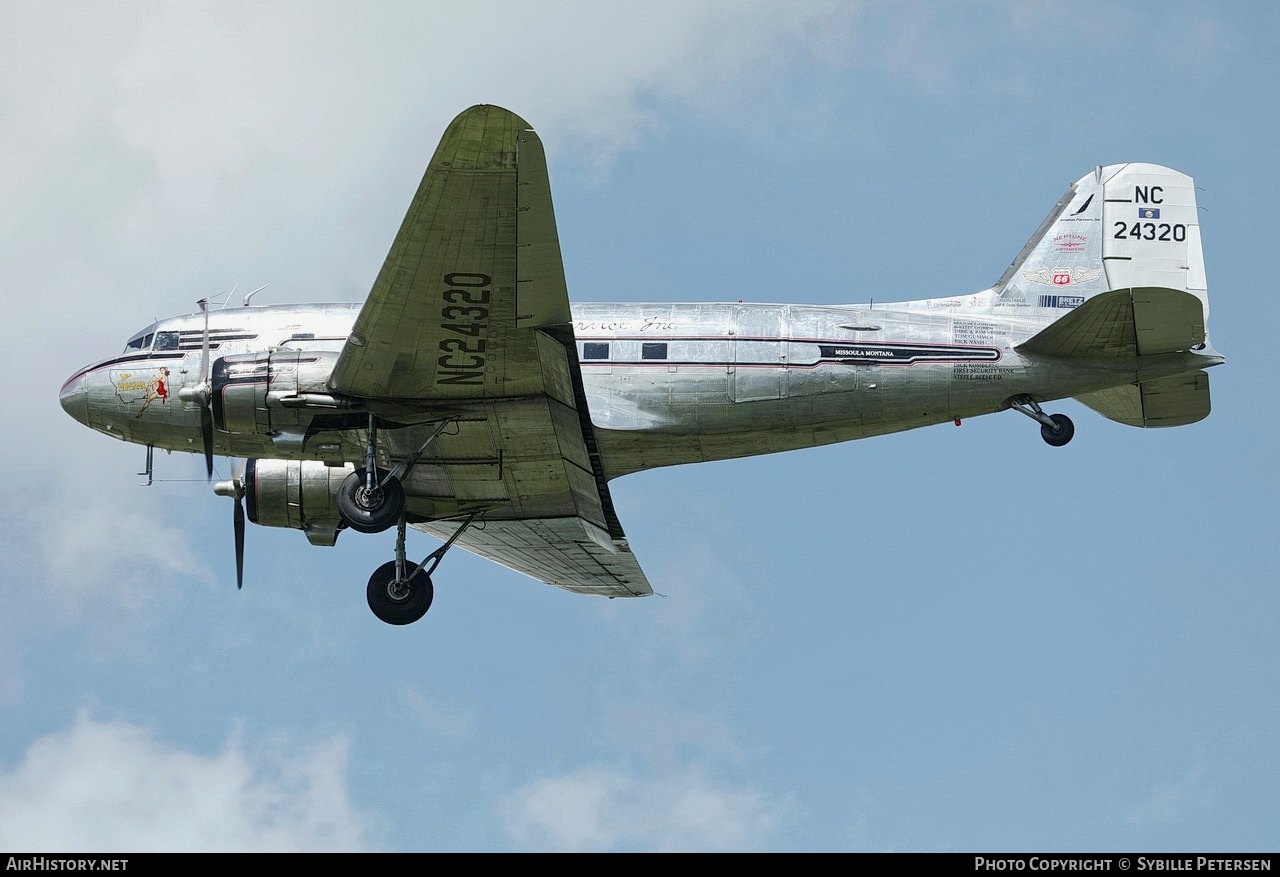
(207,93)
(435,717)
(1175,800)
(101,546)
(122,547)
(641,715)
(87,548)
(111,786)
(605,809)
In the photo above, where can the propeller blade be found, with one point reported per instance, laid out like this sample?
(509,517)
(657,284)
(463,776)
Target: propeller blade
(235,489)
(206,435)
(238,521)
(204,342)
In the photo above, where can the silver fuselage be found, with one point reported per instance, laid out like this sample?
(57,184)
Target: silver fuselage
(664,383)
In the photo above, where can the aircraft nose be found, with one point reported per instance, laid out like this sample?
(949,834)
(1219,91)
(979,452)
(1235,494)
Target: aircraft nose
(75,398)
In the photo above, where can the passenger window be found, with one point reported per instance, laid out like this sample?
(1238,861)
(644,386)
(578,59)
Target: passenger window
(595,350)
(166,341)
(654,350)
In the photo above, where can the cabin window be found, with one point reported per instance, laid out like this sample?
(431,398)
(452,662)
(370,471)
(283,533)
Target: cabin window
(595,350)
(166,341)
(653,350)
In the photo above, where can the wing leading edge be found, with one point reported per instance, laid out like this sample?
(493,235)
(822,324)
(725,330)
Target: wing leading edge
(471,312)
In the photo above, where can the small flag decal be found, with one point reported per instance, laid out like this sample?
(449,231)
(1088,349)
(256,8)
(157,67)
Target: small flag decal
(1148,212)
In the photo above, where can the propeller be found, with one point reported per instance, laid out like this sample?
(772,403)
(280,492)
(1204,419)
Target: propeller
(206,435)
(206,411)
(201,394)
(235,489)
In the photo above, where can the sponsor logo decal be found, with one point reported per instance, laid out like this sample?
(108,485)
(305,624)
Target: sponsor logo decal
(1062,276)
(1061,301)
(1148,212)
(1069,242)
(1083,207)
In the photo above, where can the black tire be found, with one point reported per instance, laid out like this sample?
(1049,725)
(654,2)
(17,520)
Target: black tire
(370,512)
(399,610)
(1059,434)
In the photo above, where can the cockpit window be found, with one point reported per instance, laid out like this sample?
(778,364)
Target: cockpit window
(166,341)
(142,342)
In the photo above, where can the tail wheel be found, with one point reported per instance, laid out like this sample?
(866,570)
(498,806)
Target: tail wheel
(1060,433)
(370,511)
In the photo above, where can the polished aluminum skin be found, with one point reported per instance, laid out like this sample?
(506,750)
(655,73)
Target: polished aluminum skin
(502,402)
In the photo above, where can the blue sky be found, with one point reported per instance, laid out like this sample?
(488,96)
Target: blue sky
(948,639)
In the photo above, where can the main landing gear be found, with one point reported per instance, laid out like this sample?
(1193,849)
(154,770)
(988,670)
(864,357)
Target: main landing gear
(1055,429)
(400,595)
(370,500)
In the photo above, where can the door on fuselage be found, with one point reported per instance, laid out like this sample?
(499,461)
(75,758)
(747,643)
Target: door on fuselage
(759,369)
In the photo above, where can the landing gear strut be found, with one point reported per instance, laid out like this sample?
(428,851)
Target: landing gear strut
(400,595)
(370,500)
(1055,429)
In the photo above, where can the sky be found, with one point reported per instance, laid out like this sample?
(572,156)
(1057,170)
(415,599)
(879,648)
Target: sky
(941,640)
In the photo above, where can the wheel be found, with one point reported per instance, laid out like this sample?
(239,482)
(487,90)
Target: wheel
(1060,433)
(403,604)
(370,511)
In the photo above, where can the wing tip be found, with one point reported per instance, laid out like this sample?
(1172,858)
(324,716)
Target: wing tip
(485,110)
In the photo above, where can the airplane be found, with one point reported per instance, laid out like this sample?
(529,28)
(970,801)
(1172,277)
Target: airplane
(466,398)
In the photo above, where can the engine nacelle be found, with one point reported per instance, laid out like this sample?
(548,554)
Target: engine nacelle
(268,393)
(301,494)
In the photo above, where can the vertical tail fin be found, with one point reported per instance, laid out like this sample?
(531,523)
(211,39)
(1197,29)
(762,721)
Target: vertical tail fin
(1122,226)
(1123,249)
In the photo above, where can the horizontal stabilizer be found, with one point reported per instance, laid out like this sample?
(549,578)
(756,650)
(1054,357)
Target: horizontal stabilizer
(1174,401)
(1146,321)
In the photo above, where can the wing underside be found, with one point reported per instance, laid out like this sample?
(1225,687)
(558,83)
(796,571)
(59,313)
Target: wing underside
(559,551)
(468,324)
(475,266)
